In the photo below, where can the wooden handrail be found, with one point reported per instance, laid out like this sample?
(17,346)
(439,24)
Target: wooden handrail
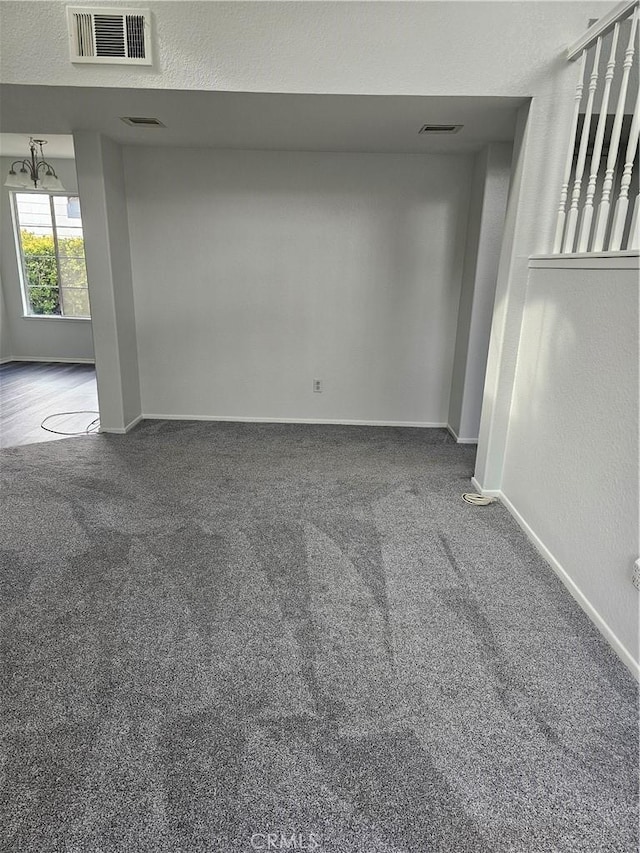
(601,26)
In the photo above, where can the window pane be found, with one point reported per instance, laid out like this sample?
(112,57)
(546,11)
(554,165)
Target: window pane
(62,207)
(73,272)
(34,212)
(70,245)
(76,302)
(44,300)
(73,207)
(38,253)
(74,293)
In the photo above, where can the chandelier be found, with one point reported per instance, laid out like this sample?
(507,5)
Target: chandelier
(33,170)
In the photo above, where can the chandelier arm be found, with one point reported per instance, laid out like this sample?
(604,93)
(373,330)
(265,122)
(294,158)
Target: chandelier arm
(22,163)
(48,166)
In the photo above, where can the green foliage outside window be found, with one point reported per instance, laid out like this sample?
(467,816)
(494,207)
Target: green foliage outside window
(48,295)
(41,272)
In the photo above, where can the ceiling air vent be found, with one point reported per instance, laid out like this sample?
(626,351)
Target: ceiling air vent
(109,36)
(142,121)
(440,128)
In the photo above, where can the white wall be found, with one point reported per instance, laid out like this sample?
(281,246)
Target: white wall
(489,190)
(45,338)
(571,465)
(5,337)
(413,48)
(257,272)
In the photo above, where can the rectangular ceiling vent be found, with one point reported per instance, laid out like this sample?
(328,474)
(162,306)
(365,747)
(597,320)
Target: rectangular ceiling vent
(440,128)
(142,121)
(109,36)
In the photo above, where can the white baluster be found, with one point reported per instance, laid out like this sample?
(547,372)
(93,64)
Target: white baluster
(612,158)
(572,219)
(564,192)
(622,205)
(587,211)
(634,231)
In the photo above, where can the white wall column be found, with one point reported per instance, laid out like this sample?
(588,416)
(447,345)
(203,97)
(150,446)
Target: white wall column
(494,420)
(106,234)
(489,191)
(542,135)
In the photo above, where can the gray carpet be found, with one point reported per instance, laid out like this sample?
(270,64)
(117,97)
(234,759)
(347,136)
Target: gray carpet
(213,632)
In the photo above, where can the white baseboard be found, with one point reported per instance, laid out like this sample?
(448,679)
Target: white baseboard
(337,422)
(6,359)
(459,440)
(51,360)
(607,632)
(490,493)
(122,430)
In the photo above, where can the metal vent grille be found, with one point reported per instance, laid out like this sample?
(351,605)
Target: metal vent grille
(109,31)
(440,128)
(110,36)
(84,34)
(142,121)
(134,25)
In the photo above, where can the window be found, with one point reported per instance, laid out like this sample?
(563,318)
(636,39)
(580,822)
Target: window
(51,249)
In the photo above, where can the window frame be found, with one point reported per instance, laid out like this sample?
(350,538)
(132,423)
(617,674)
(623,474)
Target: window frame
(27,313)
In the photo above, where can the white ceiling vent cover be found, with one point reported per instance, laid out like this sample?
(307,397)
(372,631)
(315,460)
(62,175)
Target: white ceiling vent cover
(109,36)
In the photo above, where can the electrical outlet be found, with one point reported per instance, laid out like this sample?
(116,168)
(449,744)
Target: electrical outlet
(317,386)
(635,577)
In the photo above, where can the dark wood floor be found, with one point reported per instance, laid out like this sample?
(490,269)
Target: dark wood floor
(30,391)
